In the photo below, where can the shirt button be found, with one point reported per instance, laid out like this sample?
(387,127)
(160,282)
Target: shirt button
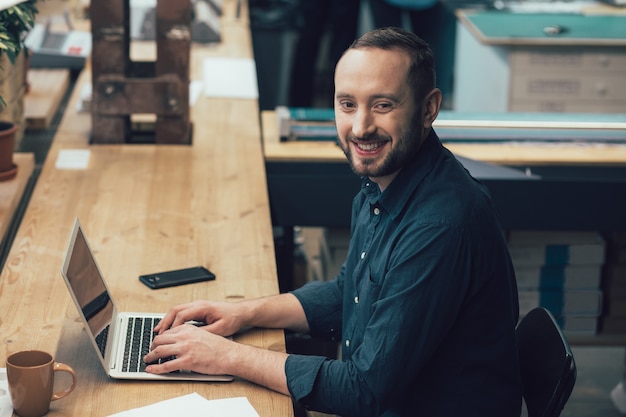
(347,343)
(356,300)
(362,255)
(377,211)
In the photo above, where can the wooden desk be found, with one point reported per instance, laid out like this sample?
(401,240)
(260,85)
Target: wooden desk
(147,208)
(47,89)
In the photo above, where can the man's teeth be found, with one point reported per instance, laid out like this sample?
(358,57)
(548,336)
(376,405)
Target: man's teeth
(370,146)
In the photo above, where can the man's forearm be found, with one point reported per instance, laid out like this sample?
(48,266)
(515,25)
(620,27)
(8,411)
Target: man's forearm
(263,367)
(282,311)
(266,367)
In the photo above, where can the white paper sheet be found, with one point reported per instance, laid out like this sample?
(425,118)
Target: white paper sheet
(195,89)
(6,407)
(73,159)
(230,78)
(194,405)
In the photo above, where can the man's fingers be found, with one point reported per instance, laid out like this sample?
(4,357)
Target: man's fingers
(163,368)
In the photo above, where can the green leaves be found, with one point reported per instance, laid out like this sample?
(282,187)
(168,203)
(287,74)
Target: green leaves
(8,45)
(15,22)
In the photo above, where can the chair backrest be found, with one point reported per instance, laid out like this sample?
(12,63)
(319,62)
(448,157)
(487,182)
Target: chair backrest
(547,364)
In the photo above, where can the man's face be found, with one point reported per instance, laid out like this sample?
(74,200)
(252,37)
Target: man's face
(379,125)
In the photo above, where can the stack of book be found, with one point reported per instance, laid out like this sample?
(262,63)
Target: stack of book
(614,285)
(561,271)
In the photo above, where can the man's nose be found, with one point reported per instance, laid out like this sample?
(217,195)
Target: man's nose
(363,124)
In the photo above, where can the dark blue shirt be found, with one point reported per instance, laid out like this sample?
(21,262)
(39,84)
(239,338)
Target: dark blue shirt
(425,304)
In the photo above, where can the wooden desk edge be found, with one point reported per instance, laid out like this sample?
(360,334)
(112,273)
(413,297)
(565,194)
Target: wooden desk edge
(505,153)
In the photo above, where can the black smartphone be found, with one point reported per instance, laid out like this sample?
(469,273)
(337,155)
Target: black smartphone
(177,277)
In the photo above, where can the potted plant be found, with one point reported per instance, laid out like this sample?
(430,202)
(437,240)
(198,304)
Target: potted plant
(17,17)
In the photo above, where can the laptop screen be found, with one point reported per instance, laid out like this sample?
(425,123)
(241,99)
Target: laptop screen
(87,286)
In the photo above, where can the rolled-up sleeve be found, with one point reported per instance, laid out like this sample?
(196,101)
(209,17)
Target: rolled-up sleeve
(322,305)
(301,373)
(321,302)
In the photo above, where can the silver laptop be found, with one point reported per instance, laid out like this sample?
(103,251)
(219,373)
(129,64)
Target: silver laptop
(117,337)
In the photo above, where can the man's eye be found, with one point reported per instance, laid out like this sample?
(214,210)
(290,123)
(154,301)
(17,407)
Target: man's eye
(383,106)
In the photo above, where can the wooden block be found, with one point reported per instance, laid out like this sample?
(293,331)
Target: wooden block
(47,88)
(11,191)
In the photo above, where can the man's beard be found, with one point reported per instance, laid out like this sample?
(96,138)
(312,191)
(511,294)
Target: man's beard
(405,150)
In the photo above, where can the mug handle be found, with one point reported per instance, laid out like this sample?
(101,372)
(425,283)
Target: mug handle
(61,367)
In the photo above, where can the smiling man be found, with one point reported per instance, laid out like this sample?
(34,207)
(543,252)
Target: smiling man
(383,117)
(425,304)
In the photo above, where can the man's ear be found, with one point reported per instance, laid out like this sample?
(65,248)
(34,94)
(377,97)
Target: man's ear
(432,104)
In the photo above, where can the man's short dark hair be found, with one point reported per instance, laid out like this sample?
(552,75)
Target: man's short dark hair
(421,74)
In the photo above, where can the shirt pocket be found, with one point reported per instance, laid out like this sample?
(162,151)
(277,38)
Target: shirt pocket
(369,293)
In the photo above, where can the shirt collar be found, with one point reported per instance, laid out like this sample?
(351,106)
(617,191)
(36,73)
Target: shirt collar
(396,195)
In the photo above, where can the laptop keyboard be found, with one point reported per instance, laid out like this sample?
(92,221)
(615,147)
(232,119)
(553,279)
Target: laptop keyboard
(101,339)
(138,339)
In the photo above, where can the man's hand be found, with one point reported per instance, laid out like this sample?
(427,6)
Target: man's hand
(205,350)
(223,319)
(193,348)
(282,311)
(200,351)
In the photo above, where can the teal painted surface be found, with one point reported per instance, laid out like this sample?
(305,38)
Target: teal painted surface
(495,24)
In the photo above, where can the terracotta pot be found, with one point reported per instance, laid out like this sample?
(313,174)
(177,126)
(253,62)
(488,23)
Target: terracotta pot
(8,169)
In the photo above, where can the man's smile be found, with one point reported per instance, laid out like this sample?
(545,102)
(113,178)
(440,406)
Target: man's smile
(370,146)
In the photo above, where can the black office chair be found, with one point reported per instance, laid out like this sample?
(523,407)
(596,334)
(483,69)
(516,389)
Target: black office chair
(546,363)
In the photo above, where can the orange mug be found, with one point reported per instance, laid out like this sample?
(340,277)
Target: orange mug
(30,375)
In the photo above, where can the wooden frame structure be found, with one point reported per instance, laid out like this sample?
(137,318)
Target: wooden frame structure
(122,87)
